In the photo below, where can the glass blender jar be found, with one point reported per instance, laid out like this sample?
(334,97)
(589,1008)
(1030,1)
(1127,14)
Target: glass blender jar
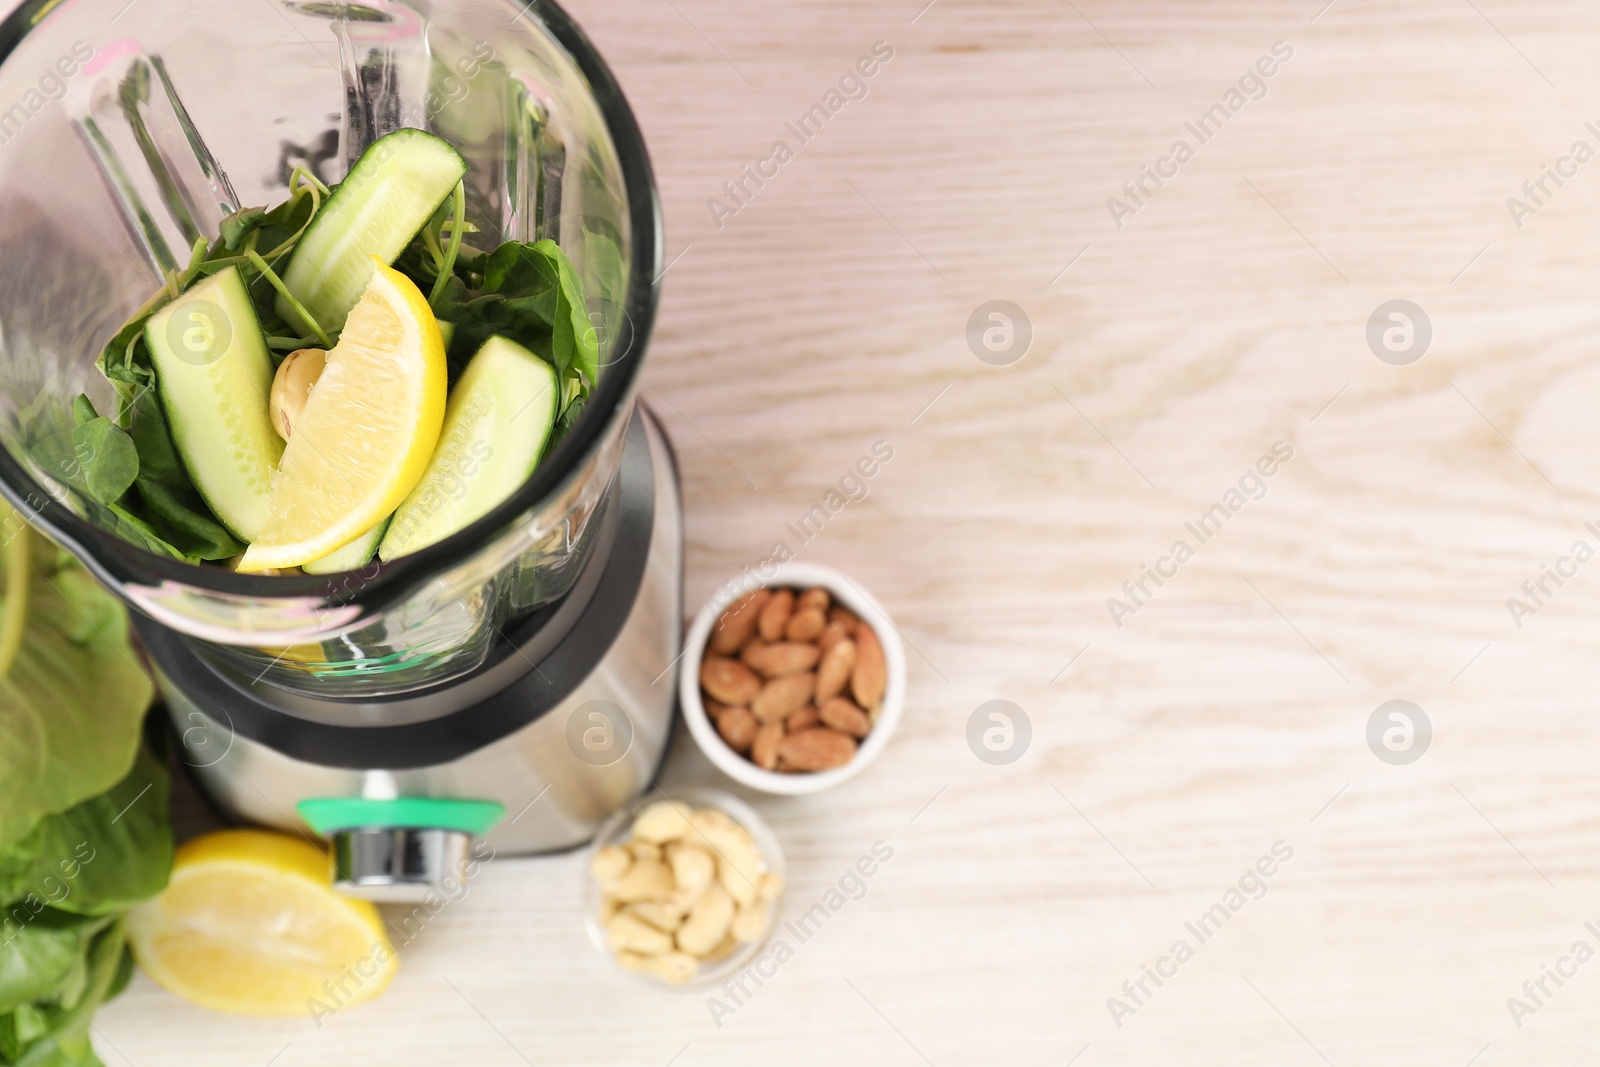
(137,128)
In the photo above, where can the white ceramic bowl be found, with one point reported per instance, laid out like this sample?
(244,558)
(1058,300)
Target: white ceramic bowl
(704,731)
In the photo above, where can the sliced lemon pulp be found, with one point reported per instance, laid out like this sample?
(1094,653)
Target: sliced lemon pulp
(249,925)
(367,430)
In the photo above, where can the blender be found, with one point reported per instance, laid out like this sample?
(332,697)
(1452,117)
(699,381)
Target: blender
(512,684)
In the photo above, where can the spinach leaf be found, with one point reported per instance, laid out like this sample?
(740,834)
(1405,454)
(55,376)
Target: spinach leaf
(531,294)
(81,835)
(568,418)
(241,223)
(110,462)
(98,857)
(602,251)
(55,1032)
(38,954)
(71,702)
(66,1043)
(95,458)
(135,530)
(123,975)
(124,361)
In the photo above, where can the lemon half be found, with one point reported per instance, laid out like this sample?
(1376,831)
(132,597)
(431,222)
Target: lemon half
(248,924)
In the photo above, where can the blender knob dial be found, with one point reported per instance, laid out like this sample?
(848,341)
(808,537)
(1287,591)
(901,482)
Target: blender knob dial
(398,864)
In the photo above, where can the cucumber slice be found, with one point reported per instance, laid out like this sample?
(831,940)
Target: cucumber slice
(390,194)
(214,375)
(355,555)
(496,425)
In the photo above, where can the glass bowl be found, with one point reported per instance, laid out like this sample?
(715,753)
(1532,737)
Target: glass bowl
(618,829)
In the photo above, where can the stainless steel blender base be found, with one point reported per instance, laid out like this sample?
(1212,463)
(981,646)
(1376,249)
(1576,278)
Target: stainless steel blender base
(557,777)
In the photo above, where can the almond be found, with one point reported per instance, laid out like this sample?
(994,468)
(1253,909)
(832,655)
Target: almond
(834,673)
(816,750)
(803,719)
(843,617)
(775,661)
(806,625)
(832,634)
(782,695)
(764,752)
(729,681)
(775,615)
(737,727)
(814,598)
(840,714)
(738,622)
(871,674)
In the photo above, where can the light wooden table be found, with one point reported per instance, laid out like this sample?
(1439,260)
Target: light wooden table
(1230,711)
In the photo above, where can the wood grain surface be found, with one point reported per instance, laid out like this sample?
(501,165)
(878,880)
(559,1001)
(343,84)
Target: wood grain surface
(1229,712)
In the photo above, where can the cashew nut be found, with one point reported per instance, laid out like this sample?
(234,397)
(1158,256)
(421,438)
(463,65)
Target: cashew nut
(664,917)
(610,864)
(645,880)
(692,869)
(291,387)
(627,932)
(661,822)
(708,923)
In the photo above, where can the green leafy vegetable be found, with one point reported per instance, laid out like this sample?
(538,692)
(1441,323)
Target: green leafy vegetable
(72,700)
(18,559)
(82,836)
(239,225)
(569,417)
(95,457)
(447,262)
(53,1030)
(98,857)
(37,956)
(531,294)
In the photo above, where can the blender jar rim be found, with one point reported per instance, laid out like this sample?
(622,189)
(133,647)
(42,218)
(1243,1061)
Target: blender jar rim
(116,561)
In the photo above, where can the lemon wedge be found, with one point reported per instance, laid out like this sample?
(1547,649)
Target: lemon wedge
(366,433)
(249,925)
